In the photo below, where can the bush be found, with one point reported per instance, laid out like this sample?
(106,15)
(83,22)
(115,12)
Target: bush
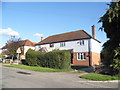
(1,56)
(102,69)
(31,57)
(59,59)
(23,61)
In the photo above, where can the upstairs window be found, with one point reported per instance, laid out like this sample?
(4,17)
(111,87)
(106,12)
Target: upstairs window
(81,56)
(51,45)
(62,44)
(81,42)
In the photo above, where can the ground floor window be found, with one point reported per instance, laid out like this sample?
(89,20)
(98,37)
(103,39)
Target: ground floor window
(81,56)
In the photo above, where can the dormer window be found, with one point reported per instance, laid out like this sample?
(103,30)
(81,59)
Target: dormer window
(62,44)
(52,45)
(81,42)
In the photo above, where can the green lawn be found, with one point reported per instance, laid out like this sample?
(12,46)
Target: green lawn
(99,77)
(37,68)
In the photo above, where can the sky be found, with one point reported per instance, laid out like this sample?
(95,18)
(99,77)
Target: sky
(31,20)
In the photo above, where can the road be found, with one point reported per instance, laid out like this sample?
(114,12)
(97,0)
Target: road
(0,76)
(17,78)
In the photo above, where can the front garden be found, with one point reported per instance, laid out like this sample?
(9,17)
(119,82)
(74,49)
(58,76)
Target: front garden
(57,61)
(38,68)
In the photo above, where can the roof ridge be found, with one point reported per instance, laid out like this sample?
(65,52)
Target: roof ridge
(61,34)
(65,33)
(73,35)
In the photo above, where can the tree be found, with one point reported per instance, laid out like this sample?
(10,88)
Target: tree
(110,25)
(12,48)
(1,56)
(14,39)
(116,61)
(12,45)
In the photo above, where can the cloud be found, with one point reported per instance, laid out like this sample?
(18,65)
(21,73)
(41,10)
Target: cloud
(9,32)
(0,46)
(38,35)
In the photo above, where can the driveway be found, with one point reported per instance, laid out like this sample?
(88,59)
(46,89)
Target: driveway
(18,78)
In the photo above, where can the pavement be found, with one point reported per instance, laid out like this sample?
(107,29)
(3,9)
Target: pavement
(19,78)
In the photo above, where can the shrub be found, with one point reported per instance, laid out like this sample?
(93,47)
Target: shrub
(102,69)
(23,61)
(58,59)
(1,56)
(31,57)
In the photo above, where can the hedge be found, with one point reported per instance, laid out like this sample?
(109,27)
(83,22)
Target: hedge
(31,57)
(58,59)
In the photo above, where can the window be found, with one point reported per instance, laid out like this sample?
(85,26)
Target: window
(39,46)
(62,44)
(81,42)
(81,56)
(51,45)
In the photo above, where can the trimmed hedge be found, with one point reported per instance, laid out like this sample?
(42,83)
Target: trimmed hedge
(31,57)
(58,59)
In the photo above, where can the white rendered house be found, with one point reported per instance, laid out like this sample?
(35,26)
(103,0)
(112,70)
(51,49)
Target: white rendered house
(84,47)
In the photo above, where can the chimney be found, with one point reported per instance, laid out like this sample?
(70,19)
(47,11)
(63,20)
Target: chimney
(42,38)
(93,32)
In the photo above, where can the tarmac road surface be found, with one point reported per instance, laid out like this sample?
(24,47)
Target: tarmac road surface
(18,78)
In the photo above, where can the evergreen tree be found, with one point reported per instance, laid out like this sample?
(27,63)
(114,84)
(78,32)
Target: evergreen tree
(111,26)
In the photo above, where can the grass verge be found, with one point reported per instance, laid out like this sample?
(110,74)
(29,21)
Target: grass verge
(99,77)
(37,68)
(81,71)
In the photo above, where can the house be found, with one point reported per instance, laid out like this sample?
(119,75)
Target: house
(0,49)
(84,47)
(24,45)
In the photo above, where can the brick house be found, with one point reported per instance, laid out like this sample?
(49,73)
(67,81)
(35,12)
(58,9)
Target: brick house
(84,47)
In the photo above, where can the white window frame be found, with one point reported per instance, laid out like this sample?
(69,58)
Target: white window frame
(81,42)
(81,56)
(62,44)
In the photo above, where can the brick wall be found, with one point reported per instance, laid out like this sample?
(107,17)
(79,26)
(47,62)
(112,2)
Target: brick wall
(80,62)
(94,58)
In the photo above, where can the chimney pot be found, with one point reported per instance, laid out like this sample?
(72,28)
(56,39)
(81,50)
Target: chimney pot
(42,38)
(93,32)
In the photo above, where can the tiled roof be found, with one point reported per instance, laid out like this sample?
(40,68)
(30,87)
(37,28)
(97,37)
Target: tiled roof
(27,43)
(80,34)
(22,43)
